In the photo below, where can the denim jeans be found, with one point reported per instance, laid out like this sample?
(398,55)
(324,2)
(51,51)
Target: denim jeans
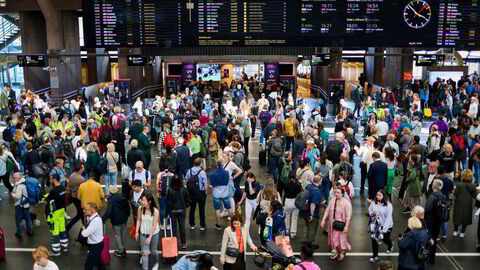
(391,110)
(110,178)
(147,249)
(22,213)
(273,166)
(476,165)
(444,229)
(261,136)
(121,233)
(325,188)
(162,201)
(179,218)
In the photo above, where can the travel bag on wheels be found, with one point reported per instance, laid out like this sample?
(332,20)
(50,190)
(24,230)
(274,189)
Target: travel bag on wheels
(169,244)
(262,157)
(2,244)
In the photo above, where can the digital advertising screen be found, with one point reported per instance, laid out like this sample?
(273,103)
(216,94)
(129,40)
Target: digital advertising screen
(208,72)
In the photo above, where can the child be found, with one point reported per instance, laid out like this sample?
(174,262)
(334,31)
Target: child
(40,256)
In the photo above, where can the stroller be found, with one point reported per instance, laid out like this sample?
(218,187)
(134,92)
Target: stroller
(271,257)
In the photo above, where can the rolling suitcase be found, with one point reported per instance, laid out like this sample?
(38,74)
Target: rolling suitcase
(106,251)
(2,244)
(427,112)
(262,159)
(169,244)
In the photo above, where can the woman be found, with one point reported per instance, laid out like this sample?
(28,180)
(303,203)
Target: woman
(304,174)
(110,177)
(234,245)
(292,188)
(381,223)
(213,149)
(252,188)
(447,159)
(264,198)
(297,149)
(416,126)
(433,143)
(464,192)
(392,165)
(7,158)
(396,123)
(412,197)
(339,211)
(147,229)
(323,168)
(245,106)
(342,114)
(177,202)
(93,156)
(416,101)
(409,244)
(235,173)
(195,260)
(279,113)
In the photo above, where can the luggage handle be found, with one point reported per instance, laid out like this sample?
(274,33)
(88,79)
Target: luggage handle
(165,227)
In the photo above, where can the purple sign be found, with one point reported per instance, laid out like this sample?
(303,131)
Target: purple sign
(189,72)
(271,72)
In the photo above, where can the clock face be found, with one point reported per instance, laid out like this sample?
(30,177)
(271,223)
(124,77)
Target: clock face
(417,14)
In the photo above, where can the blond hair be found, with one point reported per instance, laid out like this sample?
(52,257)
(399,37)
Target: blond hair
(414,223)
(92,147)
(40,252)
(110,147)
(417,210)
(467,176)
(269,192)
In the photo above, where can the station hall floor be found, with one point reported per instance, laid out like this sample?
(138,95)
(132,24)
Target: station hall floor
(454,253)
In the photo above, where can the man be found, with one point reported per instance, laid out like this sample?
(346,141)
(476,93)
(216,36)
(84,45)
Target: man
(312,215)
(432,218)
(405,124)
(74,182)
(136,129)
(357,99)
(419,148)
(47,153)
(391,100)
(342,166)
(141,174)
(291,126)
(58,169)
(335,148)
(472,132)
(219,181)
(431,175)
(275,148)
(265,116)
(118,211)
(134,155)
(363,153)
(382,127)
(222,132)
(22,207)
(93,231)
(198,196)
(377,176)
(145,145)
(184,155)
(447,190)
(91,192)
(55,212)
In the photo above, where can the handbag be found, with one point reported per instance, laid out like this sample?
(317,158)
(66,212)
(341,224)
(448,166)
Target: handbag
(232,252)
(337,224)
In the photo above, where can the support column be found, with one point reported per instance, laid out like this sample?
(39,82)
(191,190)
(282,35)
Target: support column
(396,66)
(374,66)
(98,67)
(130,72)
(62,37)
(34,41)
(320,75)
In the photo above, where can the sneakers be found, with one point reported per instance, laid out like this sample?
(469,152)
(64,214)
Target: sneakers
(202,228)
(55,254)
(462,235)
(155,267)
(373,259)
(390,250)
(192,227)
(121,254)
(184,246)
(18,236)
(218,227)
(224,213)
(292,235)
(455,233)
(407,211)
(67,216)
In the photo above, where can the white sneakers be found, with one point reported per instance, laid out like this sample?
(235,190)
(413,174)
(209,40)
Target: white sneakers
(155,267)
(67,216)
(455,234)
(462,235)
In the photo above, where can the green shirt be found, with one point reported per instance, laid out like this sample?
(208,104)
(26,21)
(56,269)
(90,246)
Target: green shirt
(135,131)
(194,145)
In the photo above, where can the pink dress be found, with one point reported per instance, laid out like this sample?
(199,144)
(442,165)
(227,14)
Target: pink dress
(395,125)
(339,240)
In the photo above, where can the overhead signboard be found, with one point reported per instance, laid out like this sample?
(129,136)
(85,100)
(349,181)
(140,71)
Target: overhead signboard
(31,60)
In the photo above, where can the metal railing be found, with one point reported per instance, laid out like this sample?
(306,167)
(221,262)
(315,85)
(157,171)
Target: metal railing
(149,90)
(41,91)
(319,92)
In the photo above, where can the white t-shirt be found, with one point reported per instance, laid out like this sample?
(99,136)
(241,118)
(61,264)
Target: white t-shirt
(382,128)
(140,176)
(50,266)
(232,169)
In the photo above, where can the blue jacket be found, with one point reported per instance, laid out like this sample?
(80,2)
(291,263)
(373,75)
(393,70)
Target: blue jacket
(278,222)
(408,248)
(219,177)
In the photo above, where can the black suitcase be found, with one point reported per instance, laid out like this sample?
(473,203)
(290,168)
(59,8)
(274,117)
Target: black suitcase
(262,156)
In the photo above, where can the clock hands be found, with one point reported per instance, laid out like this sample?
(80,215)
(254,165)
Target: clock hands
(418,13)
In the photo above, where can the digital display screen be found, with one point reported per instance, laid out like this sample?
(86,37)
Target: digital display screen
(136,60)
(320,23)
(321,60)
(208,72)
(31,60)
(426,60)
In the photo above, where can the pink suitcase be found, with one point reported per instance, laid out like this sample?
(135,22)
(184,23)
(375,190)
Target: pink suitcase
(106,251)
(2,244)
(169,244)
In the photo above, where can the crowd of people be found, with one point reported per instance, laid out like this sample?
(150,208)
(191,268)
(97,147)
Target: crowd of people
(202,136)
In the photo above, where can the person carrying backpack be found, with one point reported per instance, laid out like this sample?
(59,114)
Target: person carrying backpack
(55,213)
(436,212)
(413,245)
(22,206)
(197,186)
(275,147)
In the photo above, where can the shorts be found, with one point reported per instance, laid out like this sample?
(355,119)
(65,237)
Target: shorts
(217,203)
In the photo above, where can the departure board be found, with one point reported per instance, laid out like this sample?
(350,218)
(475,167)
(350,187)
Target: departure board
(325,23)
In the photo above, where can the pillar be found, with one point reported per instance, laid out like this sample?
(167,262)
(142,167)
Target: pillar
(135,73)
(34,41)
(396,66)
(98,67)
(374,66)
(320,75)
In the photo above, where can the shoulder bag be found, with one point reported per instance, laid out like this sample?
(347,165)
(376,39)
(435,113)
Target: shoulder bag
(337,224)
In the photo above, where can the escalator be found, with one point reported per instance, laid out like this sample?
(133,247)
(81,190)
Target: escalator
(9,29)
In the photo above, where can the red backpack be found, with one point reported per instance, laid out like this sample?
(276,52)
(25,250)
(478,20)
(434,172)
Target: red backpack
(169,141)
(458,142)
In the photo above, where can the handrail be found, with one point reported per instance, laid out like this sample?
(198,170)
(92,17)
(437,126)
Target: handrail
(320,91)
(41,91)
(146,89)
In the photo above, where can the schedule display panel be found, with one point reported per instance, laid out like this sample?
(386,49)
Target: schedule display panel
(299,23)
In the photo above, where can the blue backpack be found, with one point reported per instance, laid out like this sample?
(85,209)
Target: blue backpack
(33,190)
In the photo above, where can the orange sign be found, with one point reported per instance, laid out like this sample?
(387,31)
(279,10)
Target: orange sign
(407,76)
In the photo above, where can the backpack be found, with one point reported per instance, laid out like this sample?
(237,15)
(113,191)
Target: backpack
(134,172)
(286,170)
(263,119)
(334,150)
(458,142)
(348,171)
(158,121)
(169,162)
(102,165)
(421,252)
(7,134)
(388,146)
(33,191)
(121,122)
(442,209)
(220,134)
(193,185)
(277,148)
(246,162)
(67,148)
(105,137)
(290,127)
(169,141)
(164,185)
(301,201)
(57,145)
